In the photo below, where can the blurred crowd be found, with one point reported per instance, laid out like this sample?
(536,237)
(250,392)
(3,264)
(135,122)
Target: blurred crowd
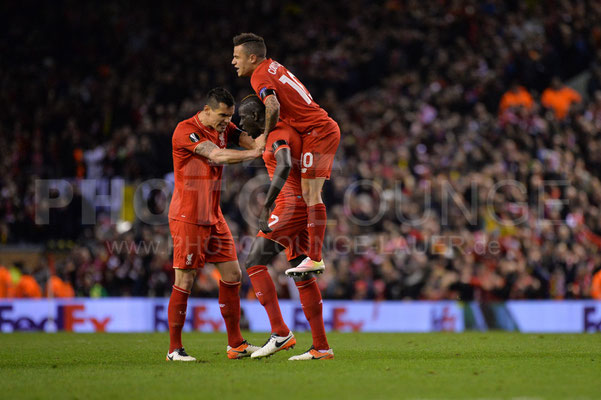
(468,168)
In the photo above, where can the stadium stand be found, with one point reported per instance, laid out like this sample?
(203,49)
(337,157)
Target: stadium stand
(508,198)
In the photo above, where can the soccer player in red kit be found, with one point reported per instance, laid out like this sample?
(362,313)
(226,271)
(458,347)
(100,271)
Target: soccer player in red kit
(283,228)
(199,230)
(286,98)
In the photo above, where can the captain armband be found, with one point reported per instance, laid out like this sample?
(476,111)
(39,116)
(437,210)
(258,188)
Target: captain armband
(264,93)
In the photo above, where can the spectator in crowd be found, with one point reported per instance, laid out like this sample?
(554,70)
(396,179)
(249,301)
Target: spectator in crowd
(6,283)
(436,193)
(596,285)
(560,98)
(59,289)
(517,96)
(26,285)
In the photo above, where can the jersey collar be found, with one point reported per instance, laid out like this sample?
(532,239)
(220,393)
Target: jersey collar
(201,125)
(263,64)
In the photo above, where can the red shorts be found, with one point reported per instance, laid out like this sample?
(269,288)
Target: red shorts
(288,222)
(194,245)
(319,149)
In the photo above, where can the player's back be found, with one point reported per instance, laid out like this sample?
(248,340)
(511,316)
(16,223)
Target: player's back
(297,107)
(284,132)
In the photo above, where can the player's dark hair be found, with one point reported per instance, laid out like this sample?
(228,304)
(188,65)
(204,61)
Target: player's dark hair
(254,103)
(219,95)
(253,44)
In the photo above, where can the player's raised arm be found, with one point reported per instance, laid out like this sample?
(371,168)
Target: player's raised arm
(225,156)
(272,112)
(280,175)
(272,115)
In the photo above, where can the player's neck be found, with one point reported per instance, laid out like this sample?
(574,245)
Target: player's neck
(202,118)
(259,62)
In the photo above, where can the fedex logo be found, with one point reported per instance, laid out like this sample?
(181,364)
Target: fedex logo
(68,318)
(197,320)
(337,321)
(591,324)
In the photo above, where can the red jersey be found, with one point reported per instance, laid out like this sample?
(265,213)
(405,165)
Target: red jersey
(292,187)
(297,107)
(197,182)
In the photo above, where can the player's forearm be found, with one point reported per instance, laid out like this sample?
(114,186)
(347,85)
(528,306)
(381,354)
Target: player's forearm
(272,113)
(280,175)
(227,156)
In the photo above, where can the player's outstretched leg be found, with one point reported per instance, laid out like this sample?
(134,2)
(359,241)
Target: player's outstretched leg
(311,301)
(176,314)
(316,228)
(229,304)
(261,253)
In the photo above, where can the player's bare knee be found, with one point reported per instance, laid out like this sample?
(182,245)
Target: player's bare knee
(311,197)
(232,276)
(306,196)
(230,271)
(184,278)
(306,192)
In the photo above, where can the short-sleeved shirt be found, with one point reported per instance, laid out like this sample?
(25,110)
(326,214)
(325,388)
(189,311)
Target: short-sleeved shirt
(512,99)
(297,107)
(283,132)
(197,182)
(6,283)
(28,287)
(60,288)
(560,100)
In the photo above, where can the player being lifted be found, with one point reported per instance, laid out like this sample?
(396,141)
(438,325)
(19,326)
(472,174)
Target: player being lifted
(284,228)
(286,98)
(199,230)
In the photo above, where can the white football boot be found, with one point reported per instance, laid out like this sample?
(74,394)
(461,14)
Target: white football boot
(179,355)
(313,354)
(274,344)
(306,266)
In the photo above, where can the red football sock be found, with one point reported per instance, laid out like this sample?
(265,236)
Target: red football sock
(268,297)
(316,227)
(229,303)
(176,315)
(310,298)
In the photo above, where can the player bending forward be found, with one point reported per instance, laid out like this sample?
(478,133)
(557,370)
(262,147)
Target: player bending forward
(284,228)
(287,99)
(199,230)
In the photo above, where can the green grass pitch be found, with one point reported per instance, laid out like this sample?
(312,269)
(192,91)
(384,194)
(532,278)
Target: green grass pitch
(371,366)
